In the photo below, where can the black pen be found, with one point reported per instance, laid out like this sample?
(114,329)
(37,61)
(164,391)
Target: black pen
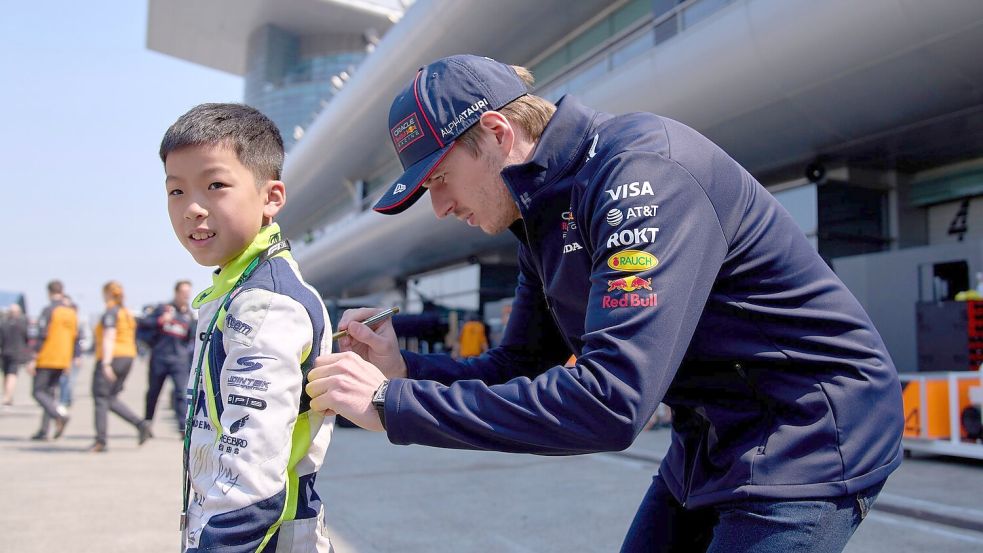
(377,318)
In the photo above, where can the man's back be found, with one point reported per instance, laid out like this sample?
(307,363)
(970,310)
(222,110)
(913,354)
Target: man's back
(59,324)
(13,337)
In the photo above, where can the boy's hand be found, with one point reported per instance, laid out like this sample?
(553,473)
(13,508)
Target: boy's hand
(344,383)
(378,346)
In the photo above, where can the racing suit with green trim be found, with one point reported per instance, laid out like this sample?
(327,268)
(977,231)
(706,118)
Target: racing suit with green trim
(255,445)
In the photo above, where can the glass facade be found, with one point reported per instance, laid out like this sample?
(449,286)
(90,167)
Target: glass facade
(632,29)
(290,85)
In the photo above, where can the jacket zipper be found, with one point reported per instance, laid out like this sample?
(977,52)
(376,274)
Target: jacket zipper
(546,296)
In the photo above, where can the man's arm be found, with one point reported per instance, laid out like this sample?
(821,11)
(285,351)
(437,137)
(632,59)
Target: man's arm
(632,349)
(261,386)
(43,321)
(531,343)
(151,321)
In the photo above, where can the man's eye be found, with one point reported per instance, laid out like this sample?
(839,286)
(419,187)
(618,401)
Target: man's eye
(175,192)
(216,186)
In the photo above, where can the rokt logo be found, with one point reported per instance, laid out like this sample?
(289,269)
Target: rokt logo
(632,237)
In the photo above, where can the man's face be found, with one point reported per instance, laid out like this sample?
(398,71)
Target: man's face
(472,189)
(213,202)
(182,295)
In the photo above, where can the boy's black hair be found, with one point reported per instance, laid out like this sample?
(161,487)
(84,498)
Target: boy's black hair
(255,139)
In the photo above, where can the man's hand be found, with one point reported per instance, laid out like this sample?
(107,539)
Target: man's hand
(377,346)
(31,367)
(344,383)
(167,316)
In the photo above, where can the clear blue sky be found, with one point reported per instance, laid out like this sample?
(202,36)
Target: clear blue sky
(85,104)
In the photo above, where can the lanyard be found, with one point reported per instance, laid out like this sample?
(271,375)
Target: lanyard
(271,251)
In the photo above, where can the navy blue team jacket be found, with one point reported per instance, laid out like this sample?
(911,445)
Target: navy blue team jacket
(673,276)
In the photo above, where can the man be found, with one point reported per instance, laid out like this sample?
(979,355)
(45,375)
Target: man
(169,330)
(673,276)
(56,350)
(13,344)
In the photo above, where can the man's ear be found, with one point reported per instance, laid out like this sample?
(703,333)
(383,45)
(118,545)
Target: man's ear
(275,197)
(498,128)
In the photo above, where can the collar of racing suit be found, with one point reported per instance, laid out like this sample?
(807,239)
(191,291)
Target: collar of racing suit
(225,278)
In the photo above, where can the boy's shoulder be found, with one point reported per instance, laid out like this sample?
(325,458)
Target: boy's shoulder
(272,282)
(281,276)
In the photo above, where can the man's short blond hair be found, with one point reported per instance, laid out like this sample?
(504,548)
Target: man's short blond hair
(529,112)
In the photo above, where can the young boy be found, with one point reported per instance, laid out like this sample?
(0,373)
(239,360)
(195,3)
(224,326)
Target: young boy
(252,444)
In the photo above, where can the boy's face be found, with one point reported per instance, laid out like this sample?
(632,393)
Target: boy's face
(213,202)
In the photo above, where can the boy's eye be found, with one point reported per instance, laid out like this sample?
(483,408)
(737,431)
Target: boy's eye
(216,186)
(175,192)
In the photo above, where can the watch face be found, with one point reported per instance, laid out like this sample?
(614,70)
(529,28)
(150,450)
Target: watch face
(380,394)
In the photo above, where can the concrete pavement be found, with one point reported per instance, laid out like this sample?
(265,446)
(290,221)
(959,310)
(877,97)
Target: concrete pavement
(380,498)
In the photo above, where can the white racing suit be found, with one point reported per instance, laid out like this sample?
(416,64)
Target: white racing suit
(255,444)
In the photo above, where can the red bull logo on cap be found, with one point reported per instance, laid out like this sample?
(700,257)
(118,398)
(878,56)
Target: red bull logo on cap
(630,284)
(406,132)
(632,261)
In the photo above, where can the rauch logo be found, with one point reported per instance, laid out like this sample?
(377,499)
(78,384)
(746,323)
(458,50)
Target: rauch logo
(632,261)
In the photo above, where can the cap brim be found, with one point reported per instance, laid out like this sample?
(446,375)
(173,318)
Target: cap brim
(409,187)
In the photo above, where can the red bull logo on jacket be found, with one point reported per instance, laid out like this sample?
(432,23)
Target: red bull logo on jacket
(632,261)
(630,284)
(629,300)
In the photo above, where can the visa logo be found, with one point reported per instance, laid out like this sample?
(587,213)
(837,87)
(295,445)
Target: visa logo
(631,190)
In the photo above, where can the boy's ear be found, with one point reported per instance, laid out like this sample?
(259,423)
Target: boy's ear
(275,198)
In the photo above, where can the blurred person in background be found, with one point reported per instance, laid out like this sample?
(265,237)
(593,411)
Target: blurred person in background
(169,331)
(66,383)
(57,348)
(116,347)
(14,350)
(472,341)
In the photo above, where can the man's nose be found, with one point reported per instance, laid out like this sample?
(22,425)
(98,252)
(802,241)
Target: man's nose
(442,205)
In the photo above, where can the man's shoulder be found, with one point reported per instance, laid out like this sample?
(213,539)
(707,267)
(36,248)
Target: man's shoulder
(640,131)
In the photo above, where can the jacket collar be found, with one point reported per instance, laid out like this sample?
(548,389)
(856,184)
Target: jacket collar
(225,278)
(563,144)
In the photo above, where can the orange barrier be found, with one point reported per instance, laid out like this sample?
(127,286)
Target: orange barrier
(937,399)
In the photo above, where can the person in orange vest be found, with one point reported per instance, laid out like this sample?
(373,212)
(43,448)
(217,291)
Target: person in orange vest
(116,347)
(56,349)
(473,341)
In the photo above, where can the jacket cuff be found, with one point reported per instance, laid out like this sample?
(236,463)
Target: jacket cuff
(394,394)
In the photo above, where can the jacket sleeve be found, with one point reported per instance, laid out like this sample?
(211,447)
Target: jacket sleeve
(43,320)
(531,343)
(150,321)
(632,349)
(265,336)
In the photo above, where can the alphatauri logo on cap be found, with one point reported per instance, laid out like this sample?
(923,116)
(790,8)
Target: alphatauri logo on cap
(400,187)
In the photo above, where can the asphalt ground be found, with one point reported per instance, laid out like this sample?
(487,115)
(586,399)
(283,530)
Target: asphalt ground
(56,497)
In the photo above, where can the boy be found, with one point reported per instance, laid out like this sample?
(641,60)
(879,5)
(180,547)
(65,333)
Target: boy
(252,445)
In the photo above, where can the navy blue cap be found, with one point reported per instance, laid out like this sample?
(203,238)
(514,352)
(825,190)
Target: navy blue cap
(445,99)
